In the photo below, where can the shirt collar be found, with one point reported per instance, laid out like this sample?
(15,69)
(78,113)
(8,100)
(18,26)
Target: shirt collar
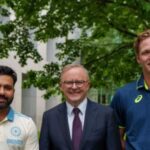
(10,115)
(141,83)
(82,107)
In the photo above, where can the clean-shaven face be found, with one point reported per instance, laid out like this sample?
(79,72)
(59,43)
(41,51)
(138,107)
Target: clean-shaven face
(75,85)
(143,57)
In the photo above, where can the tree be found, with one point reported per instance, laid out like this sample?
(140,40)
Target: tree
(108,29)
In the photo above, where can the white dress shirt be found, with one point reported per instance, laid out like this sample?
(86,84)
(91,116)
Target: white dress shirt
(70,114)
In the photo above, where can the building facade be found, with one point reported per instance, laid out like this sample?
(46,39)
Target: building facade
(30,101)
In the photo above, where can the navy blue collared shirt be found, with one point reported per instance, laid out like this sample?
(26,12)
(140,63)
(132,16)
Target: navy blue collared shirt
(132,106)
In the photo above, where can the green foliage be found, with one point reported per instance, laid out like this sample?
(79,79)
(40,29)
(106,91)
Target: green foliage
(105,46)
(47,79)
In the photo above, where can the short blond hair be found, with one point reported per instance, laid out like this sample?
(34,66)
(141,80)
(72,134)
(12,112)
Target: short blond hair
(142,36)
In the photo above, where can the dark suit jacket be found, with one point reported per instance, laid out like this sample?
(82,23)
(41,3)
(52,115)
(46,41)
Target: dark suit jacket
(99,133)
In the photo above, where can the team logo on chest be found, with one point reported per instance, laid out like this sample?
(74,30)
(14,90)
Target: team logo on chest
(15,131)
(138,98)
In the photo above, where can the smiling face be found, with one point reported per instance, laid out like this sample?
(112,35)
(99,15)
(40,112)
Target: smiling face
(6,91)
(75,85)
(143,56)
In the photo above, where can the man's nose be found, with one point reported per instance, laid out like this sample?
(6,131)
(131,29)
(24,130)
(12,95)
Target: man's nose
(74,85)
(2,90)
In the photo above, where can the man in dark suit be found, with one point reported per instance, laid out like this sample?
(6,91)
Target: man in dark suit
(93,127)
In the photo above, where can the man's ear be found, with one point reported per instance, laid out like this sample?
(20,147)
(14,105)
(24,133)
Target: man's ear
(60,86)
(138,59)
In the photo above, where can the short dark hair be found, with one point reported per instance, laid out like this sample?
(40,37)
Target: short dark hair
(5,70)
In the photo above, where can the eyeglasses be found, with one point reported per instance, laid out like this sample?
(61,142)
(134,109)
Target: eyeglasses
(78,83)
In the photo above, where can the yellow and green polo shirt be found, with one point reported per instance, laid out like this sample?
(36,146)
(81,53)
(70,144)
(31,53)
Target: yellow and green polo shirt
(132,106)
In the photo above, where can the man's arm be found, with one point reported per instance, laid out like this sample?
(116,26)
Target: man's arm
(122,137)
(44,137)
(32,137)
(113,137)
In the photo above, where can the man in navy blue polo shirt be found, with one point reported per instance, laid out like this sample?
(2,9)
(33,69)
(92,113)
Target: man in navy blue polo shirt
(132,102)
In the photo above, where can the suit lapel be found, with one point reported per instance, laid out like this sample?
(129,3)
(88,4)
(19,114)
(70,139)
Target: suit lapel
(63,123)
(89,120)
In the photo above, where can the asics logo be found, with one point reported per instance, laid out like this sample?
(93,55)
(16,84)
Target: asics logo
(138,99)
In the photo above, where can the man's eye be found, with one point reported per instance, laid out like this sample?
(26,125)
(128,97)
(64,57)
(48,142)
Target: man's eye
(69,82)
(79,82)
(8,87)
(145,52)
(76,82)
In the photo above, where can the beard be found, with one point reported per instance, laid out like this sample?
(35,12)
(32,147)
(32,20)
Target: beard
(6,102)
